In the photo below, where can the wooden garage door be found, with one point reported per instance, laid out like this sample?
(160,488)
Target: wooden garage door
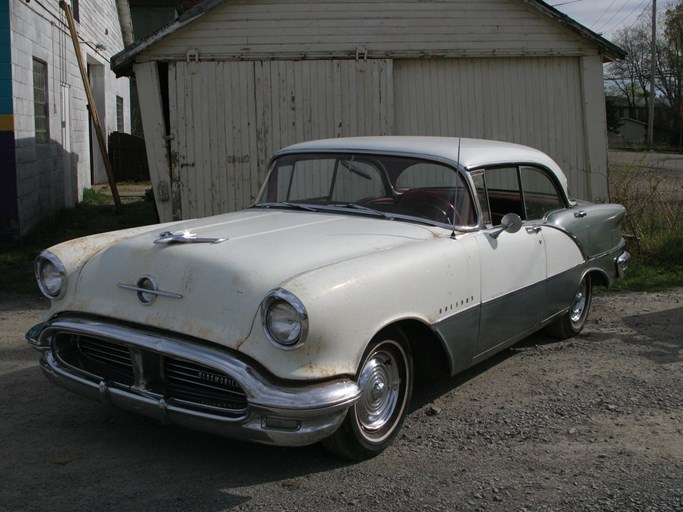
(532,101)
(227,118)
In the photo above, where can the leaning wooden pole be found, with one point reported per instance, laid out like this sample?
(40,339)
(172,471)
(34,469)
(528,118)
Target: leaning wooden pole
(91,106)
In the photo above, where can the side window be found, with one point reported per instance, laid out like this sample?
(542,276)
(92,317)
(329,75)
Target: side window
(436,191)
(540,193)
(504,193)
(480,186)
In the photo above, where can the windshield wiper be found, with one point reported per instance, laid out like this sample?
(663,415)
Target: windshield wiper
(285,204)
(365,209)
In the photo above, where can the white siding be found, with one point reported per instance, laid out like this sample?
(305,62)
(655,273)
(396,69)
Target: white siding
(229,117)
(534,101)
(47,178)
(260,29)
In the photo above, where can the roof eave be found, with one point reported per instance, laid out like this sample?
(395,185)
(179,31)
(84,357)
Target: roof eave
(608,50)
(122,62)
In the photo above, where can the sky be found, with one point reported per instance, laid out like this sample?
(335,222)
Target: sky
(606,16)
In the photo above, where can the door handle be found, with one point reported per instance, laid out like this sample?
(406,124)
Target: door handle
(533,229)
(580,214)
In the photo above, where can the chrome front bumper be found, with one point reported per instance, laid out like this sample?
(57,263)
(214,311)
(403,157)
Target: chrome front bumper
(284,414)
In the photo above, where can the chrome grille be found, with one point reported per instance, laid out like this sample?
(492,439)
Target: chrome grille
(198,384)
(106,356)
(186,383)
(104,360)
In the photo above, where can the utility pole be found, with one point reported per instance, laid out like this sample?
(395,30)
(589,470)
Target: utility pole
(653,70)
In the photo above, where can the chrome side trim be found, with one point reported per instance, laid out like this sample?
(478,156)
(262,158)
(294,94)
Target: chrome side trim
(584,252)
(150,291)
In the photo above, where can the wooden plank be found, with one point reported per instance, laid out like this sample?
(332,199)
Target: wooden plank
(173,108)
(155,137)
(229,101)
(212,80)
(92,108)
(247,29)
(595,128)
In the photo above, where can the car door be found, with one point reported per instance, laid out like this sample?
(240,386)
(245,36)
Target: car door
(513,265)
(564,259)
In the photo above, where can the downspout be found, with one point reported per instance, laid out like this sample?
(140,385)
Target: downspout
(126,22)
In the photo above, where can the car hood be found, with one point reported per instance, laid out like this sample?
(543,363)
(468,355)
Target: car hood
(212,291)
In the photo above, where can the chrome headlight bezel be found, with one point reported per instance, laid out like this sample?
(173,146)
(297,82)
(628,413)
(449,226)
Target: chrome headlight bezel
(48,261)
(283,299)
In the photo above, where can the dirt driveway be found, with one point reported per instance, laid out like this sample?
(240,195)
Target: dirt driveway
(591,424)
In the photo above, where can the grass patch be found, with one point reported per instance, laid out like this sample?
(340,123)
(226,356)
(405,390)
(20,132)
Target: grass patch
(96,214)
(654,205)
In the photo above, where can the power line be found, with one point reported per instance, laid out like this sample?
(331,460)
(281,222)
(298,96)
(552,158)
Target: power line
(604,12)
(646,3)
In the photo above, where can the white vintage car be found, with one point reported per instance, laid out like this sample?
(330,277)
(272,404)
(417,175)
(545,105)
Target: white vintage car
(300,319)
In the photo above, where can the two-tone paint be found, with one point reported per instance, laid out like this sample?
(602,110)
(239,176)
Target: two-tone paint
(476,290)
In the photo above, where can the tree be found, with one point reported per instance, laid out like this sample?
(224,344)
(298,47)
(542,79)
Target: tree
(631,76)
(670,67)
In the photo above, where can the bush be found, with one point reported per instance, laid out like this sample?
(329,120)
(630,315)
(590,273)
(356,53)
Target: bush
(653,227)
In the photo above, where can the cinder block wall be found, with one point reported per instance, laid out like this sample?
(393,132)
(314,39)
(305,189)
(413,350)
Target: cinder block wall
(49,177)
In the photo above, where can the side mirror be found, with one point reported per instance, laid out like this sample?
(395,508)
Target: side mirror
(510,223)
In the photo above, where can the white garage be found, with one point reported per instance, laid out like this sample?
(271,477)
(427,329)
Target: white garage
(230,82)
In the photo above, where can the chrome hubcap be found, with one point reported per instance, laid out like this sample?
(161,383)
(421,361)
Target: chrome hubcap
(380,382)
(579,305)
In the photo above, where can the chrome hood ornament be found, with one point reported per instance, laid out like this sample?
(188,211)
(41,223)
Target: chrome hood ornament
(185,237)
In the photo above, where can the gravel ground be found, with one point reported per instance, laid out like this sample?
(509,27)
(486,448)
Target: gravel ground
(590,424)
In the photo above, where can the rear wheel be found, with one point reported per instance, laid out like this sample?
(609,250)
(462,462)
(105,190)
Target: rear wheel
(572,322)
(386,380)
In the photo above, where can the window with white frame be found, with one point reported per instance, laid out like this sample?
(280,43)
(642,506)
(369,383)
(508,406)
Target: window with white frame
(41,103)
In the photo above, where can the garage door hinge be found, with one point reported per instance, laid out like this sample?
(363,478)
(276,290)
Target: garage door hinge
(192,59)
(361,57)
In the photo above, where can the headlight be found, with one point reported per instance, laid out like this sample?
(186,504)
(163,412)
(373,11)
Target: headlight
(51,275)
(284,319)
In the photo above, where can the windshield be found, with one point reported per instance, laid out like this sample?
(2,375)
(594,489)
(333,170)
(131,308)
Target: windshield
(388,186)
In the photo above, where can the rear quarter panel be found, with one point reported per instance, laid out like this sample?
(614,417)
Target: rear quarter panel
(597,227)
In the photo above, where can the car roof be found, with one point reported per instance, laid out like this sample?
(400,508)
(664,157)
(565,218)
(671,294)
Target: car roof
(469,153)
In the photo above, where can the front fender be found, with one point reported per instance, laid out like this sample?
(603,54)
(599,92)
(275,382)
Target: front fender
(349,302)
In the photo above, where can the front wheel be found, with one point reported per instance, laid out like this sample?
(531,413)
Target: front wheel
(385,379)
(572,322)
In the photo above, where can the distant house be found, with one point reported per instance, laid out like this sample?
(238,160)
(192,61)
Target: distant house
(229,82)
(633,119)
(631,131)
(47,149)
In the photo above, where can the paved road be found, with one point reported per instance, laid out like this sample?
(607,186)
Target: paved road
(672,162)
